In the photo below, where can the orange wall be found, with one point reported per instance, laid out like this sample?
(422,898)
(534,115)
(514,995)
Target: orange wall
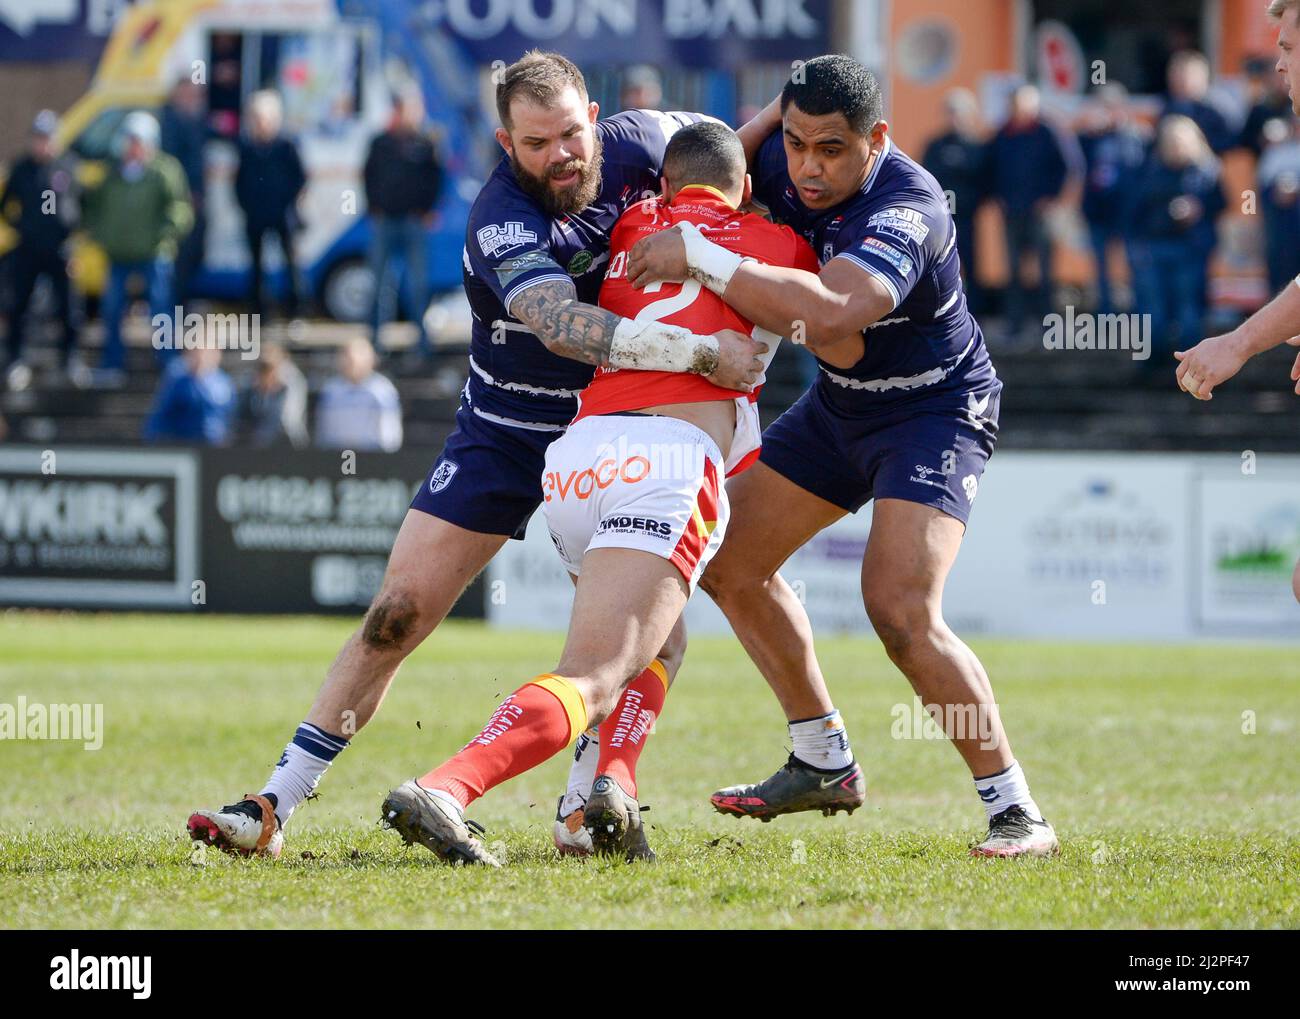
(984,34)
(984,31)
(1245,30)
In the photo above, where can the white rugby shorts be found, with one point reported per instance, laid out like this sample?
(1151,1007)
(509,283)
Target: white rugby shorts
(645,482)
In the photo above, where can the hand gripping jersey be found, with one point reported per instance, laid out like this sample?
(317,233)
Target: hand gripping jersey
(898,228)
(511,244)
(690,305)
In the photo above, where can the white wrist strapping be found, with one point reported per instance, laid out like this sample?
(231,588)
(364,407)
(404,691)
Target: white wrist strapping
(711,264)
(655,346)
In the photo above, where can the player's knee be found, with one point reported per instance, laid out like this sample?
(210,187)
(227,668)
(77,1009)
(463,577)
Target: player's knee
(1295,581)
(725,576)
(900,619)
(395,621)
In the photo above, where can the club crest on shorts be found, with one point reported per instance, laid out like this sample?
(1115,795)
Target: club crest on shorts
(442,475)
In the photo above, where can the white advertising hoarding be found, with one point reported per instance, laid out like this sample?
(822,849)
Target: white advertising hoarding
(1247,544)
(1060,545)
(1072,545)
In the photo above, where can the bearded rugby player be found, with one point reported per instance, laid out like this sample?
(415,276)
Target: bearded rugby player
(535,254)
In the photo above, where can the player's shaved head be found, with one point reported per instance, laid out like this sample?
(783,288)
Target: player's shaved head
(835,83)
(705,153)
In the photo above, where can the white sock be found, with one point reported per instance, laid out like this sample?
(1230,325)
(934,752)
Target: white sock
(446,798)
(1007,788)
(307,757)
(822,742)
(582,773)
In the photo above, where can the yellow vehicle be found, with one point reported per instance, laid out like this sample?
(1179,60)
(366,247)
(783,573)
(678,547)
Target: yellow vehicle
(336,65)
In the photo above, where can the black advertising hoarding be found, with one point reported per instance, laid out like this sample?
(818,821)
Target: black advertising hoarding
(302,531)
(96,527)
(204,530)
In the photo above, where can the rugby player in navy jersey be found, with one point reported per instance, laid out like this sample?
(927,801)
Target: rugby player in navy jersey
(910,425)
(535,255)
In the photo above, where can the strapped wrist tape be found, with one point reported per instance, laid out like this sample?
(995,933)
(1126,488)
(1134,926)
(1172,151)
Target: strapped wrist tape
(655,346)
(711,264)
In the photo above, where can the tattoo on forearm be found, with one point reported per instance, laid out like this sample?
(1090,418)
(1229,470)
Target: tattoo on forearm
(566,325)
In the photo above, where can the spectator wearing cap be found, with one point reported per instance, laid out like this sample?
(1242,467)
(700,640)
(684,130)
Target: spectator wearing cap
(39,201)
(273,408)
(403,180)
(1114,152)
(1188,77)
(195,401)
(1030,163)
(138,215)
(959,160)
(358,409)
(1178,200)
(267,185)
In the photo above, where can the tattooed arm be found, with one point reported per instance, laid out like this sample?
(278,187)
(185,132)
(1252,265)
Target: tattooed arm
(584,332)
(564,324)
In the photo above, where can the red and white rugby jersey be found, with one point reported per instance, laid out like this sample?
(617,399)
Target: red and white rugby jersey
(688,304)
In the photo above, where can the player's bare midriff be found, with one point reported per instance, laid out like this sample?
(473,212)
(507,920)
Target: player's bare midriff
(716,418)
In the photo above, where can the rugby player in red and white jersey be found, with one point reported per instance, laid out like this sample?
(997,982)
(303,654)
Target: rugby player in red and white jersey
(635,505)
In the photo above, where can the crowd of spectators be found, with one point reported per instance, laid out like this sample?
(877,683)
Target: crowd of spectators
(197,402)
(148,215)
(1150,189)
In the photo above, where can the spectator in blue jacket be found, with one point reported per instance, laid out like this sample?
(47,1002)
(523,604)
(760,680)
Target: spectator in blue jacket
(1178,200)
(1278,175)
(184,134)
(403,179)
(958,158)
(1031,163)
(268,183)
(1189,88)
(1114,152)
(195,401)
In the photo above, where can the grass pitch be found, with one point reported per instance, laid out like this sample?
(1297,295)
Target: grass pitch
(1170,772)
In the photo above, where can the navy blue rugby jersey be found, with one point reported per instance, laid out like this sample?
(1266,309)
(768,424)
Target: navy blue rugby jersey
(512,244)
(897,228)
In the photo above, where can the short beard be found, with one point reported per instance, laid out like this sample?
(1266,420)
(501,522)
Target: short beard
(572,199)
